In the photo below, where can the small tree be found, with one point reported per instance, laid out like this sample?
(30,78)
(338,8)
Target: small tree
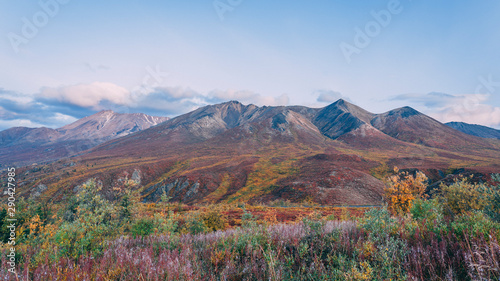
(164,201)
(492,208)
(403,189)
(125,208)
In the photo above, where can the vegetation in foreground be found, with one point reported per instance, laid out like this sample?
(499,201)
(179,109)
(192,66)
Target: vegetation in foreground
(453,236)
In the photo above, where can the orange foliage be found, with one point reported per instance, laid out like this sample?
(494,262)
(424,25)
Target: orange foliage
(403,189)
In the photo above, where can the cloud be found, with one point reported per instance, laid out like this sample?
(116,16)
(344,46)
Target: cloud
(23,110)
(6,124)
(247,97)
(88,95)
(329,96)
(56,107)
(96,67)
(468,108)
(167,101)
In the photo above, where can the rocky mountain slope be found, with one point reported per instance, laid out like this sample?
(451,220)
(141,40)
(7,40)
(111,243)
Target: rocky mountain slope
(475,130)
(24,146)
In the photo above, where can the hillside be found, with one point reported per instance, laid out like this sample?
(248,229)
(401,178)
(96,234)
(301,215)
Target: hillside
(231,152)
(25,146)
(475,130)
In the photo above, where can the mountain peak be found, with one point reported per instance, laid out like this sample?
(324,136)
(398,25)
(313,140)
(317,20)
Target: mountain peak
(104,112)
(404,112)
(475,130)
(341,101)
(341,117)
(233,102)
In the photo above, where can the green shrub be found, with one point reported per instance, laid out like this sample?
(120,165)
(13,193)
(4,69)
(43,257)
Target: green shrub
(426,210)
(492,208)
(313,224)
(214,220)
(194,224)
(379,222)
(69,240)
(428,214)
(143,227)
(4,231)
(462,196)
(166,225)
(474,223)
(248,220)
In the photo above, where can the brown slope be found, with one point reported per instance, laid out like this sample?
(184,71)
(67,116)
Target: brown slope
(340,118)
(475,130)
(407,124)
(17,135)
(107,124)
(227,152)
(351,124)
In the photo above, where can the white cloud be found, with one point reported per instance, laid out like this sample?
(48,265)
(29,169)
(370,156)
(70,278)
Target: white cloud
(88,95)
(468,108)
(247,97)
(329,96)
(6,124)
(59,106)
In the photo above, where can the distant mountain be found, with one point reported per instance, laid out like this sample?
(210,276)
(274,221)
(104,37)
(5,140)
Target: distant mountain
(341,118)
(409,125)
(475,130)
(20,145)
(231,152)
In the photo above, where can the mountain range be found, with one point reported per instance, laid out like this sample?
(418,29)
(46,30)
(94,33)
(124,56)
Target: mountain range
(21,146)
(231,152)
(475,130)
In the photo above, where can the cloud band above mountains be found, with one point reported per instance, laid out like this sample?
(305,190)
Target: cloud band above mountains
(55,107)
(468,108)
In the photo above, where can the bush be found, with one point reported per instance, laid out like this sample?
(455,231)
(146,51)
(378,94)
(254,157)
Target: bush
(313,225)
(166,225)
(428,213)
(143,227)
(492,208)
(194,224)
(474,223)
(248,220)
(214,220)
(426,210)
(403,190)
(463,196)
(379,222)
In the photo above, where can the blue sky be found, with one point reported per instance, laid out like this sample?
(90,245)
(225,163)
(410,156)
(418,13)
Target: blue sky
(63,60)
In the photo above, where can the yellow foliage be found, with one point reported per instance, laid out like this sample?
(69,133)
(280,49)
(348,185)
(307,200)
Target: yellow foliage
(403,189)
(364,273)
(217,257)
(463,196)
(345,215)
(215,219)
(34,224)
(367,249)
(270,217)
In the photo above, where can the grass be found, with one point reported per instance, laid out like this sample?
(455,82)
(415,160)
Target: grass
(90,238)
(375,246)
